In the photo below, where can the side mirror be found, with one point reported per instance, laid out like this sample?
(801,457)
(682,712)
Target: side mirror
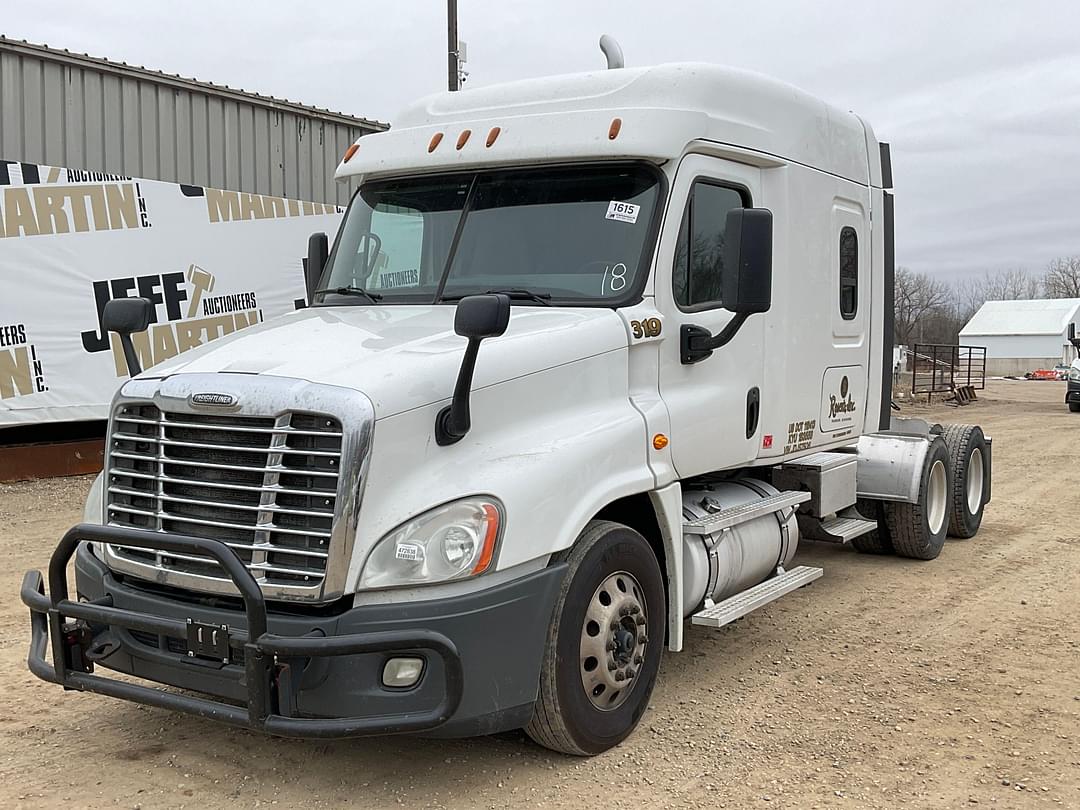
(747,276)
(482,316)
(477,317)
(318,249)
(126,316)
(746,281)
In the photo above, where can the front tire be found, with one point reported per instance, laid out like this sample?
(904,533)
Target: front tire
(1074,407)
(917,530)
(604,646)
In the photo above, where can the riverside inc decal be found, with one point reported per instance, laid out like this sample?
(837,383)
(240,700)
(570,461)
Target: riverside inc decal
(842,398)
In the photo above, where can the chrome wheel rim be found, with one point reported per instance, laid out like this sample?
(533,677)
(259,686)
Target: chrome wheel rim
(613,641)
(974,481)
(936,496)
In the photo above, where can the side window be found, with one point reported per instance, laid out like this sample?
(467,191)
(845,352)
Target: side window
(699,255)
(849,273)
(400,241)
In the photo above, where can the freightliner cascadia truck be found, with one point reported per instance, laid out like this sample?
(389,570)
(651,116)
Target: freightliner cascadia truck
(587,357)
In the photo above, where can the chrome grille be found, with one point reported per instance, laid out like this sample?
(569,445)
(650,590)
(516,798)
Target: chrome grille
(265,486)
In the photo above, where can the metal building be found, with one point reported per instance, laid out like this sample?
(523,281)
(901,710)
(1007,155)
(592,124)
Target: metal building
(1021,336)
(64,109)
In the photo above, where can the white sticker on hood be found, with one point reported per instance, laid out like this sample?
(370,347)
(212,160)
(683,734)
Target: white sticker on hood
(622,211)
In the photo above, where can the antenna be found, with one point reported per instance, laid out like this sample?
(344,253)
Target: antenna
(612,51)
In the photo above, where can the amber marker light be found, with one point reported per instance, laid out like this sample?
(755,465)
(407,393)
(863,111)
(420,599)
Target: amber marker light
(350,152)
(436,139)
(659,441)
(613,130)
(492,136)
(464,136)
(488,551)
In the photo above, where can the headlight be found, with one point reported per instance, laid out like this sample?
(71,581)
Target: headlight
(453,541)
(1074,374)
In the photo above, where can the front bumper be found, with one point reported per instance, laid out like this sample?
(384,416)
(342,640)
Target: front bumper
(294,675)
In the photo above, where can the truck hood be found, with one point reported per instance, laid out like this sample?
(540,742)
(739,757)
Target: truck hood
(401,357)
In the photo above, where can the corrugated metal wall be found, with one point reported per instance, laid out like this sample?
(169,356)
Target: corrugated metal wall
(64,109)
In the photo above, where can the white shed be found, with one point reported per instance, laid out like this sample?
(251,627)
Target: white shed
(1023,335)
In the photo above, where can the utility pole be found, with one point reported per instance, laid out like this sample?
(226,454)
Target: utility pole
(453,68)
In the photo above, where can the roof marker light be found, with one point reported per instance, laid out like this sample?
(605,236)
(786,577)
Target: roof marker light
(493,135)
(464,136)
(436,139)
(613,130)
(350,152)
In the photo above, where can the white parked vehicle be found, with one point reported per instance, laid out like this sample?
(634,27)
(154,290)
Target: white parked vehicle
(590,353)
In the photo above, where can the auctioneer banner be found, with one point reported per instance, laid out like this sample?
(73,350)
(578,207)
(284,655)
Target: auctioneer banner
(211,261)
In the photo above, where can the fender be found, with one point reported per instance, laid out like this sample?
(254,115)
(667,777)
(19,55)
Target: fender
(555,447)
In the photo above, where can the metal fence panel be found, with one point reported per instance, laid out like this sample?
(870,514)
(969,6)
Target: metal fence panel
(64,109)
(940,368)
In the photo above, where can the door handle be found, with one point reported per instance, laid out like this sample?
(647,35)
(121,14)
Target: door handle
(753,411)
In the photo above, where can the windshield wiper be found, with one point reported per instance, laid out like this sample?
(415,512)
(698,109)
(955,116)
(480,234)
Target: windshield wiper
(373,297)
(514,295)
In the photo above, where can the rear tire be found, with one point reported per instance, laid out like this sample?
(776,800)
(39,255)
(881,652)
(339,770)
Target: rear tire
(970,478)
(877,541)
(1074,407)
(584,707)
(917,530)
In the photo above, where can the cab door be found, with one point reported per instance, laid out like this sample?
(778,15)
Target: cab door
(715,404)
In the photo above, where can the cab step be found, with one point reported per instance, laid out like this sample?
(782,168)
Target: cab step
(838,529)
(737,606)
(744,513)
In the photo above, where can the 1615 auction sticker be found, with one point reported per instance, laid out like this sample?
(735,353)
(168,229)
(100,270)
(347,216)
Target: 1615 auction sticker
(622,211)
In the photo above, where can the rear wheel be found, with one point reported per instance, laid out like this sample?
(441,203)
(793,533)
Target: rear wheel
(917,530)
(877,541)
(970,477)
(1074,407)
(604,645)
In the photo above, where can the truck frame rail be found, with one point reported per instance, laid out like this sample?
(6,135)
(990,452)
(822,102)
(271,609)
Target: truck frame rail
(268,658)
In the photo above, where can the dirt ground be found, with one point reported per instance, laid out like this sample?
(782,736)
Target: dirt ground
(887,683)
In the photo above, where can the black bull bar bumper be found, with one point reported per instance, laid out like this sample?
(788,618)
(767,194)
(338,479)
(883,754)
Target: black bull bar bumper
(267,656)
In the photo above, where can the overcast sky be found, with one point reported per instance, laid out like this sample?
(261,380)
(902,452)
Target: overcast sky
(980,100)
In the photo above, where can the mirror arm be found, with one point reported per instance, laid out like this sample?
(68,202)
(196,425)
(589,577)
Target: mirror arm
(130,355)
(696,343)
(454,421)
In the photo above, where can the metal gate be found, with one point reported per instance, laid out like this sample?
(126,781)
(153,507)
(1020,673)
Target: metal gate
(941,368)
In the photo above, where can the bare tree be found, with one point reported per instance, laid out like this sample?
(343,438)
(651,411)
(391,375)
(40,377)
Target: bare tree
(920,301)
(1062,279)
(1009,285)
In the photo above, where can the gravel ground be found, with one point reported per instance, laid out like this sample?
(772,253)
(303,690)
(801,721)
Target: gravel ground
(888,683)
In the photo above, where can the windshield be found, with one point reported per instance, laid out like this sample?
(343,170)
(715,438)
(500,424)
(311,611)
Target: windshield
(572,234)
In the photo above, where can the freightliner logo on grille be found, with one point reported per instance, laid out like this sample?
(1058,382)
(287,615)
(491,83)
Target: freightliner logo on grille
(221,400)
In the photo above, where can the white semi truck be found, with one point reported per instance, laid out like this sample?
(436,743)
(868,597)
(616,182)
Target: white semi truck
(588,356)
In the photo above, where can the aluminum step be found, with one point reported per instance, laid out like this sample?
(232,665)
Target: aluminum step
(837,529)
(737,606)
(726,518)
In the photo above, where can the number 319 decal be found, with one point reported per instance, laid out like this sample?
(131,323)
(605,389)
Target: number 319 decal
(649,327)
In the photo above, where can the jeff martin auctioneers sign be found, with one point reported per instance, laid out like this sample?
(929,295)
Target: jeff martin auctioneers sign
(212,262)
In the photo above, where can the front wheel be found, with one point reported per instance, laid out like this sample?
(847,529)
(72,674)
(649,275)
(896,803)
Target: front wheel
(1074,407)
(603,648)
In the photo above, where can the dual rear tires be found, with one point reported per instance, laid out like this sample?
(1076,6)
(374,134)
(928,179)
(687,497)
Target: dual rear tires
(954,486)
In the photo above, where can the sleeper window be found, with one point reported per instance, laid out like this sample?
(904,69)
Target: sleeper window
(849,273)
(699,255)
